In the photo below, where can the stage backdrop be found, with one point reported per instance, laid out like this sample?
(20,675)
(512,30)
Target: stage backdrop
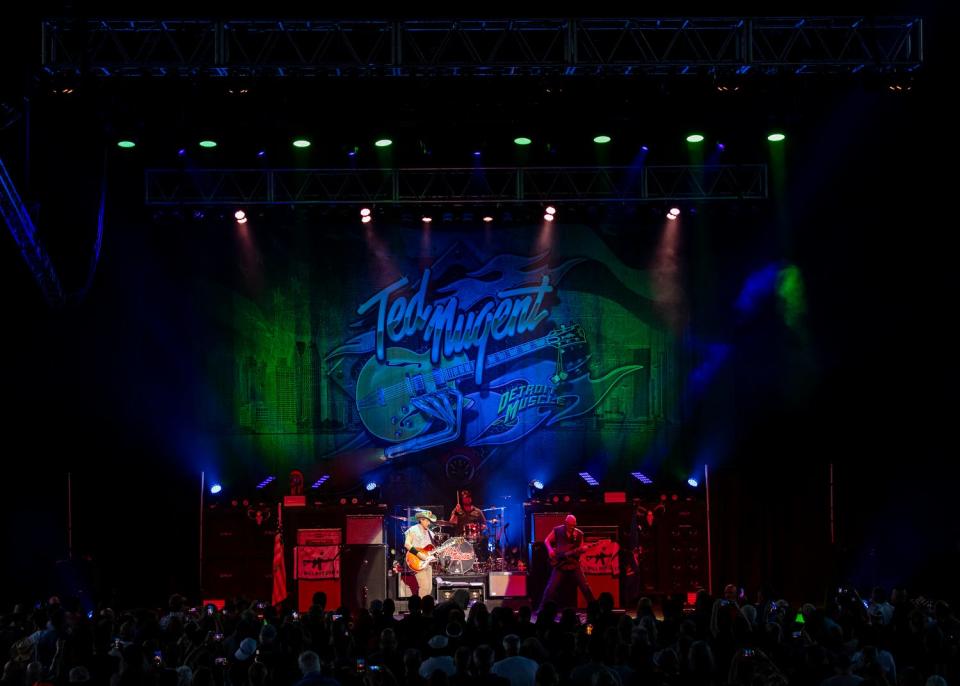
(425,359)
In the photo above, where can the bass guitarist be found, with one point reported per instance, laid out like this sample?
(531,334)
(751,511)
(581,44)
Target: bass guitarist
(419,542)
(565,544)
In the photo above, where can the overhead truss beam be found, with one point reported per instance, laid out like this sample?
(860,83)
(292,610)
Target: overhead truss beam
(491,185)
(625,46)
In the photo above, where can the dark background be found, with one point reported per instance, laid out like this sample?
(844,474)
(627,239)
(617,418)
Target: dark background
(92,388)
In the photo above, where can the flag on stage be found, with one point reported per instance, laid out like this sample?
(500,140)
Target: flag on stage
(279,564)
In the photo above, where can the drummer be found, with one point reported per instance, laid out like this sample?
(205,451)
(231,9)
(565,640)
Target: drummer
(469,520)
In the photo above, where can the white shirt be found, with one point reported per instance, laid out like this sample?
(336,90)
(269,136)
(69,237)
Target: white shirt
(417,536)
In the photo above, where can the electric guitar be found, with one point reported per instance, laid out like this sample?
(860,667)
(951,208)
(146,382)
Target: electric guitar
(385,389)
(415,563)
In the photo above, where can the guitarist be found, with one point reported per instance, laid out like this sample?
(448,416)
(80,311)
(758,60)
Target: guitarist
(419,541)
(565,544)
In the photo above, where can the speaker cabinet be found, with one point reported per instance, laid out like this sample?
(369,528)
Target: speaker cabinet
(306,589)
(231,577)
(316,562)
(363,570)
(601,583)
(544,523)
(507,585)
(236,531)
(364,529)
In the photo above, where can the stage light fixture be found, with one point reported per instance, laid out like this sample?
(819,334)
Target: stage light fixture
(692,481)
(207,143)
(776,137)
(601,140)
(126,144)
(383,143)
(215,488)
(371,486)
(239,215)
(301,143)
(695,138)
(642,478)
(319,482)
(522,140)
(588,478)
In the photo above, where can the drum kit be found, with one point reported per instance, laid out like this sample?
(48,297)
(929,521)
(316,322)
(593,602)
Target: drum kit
(475,551)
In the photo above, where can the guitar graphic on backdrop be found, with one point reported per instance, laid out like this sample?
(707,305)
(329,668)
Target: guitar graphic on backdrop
(401,397)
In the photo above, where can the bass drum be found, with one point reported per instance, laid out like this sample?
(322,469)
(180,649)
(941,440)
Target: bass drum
(457,558)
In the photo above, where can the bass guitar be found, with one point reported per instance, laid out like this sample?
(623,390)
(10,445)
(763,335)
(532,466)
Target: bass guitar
(567,559)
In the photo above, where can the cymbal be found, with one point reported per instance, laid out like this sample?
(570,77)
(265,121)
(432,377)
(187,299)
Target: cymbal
(491,509)
(442,522)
